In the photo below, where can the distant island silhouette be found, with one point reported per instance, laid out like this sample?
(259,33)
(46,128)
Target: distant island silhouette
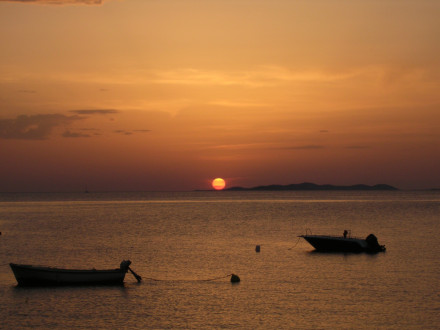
(313,186)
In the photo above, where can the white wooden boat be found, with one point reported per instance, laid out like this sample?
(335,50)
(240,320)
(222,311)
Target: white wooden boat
(344,243)
(28,275)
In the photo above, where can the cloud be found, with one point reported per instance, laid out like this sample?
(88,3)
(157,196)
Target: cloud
(262,76)
(92,131)
(34,127)
(69,134)
(26,91)
(240,146)
(307,147)
(58,2)
(120,131)
(95,112)
(41,126)
(124,132)
(357,147)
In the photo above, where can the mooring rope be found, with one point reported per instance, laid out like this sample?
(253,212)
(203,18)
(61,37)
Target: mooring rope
(216,278)
(153,279)
(297,241)
(197,280)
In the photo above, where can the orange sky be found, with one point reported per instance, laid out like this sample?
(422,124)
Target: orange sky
(170,94)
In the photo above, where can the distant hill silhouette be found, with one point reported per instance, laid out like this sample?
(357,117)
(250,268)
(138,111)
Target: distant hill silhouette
(313,186)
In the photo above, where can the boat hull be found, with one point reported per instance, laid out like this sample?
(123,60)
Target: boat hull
(340,244)
(27,275)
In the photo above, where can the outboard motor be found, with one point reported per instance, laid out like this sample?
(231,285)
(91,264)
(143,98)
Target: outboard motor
(373,244)
(125,264)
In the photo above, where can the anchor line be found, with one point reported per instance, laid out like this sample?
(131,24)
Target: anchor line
(152,279)
(217,278)
(297,241)
(200,280)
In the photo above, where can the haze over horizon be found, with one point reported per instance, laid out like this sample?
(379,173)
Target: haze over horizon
(143,95)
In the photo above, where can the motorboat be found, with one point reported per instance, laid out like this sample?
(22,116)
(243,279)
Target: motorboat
(344,243)
(28,275)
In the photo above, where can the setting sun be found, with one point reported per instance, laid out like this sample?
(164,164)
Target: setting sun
(218,183)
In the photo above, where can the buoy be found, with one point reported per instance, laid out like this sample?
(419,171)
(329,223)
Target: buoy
(235,278)
(257,248)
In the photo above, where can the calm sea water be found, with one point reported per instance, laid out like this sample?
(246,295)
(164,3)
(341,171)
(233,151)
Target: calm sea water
(177,241)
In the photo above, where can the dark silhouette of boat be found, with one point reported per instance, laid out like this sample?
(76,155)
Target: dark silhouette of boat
(28,275)
(344,243)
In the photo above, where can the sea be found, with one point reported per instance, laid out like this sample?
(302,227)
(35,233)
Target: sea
(185,245)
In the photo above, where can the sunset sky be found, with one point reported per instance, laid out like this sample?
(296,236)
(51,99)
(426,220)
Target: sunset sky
(166,95)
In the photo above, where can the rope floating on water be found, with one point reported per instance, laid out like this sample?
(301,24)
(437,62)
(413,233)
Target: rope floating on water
(216,278)
(234,279)
(153,279)
(297,241)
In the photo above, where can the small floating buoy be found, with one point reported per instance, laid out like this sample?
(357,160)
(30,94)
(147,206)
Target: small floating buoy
(235,278)
(257,248)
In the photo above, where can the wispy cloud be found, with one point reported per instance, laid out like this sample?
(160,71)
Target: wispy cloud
(357,147)
(95,111)
(33,127)
(259,77)
(27,91)
(306,147)
(42,126)
(58,2)
(131,132)
(123,132)
(69,134)
(238,146)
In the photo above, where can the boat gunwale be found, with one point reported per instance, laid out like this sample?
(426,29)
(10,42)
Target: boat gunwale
(64,270)
(335,236)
